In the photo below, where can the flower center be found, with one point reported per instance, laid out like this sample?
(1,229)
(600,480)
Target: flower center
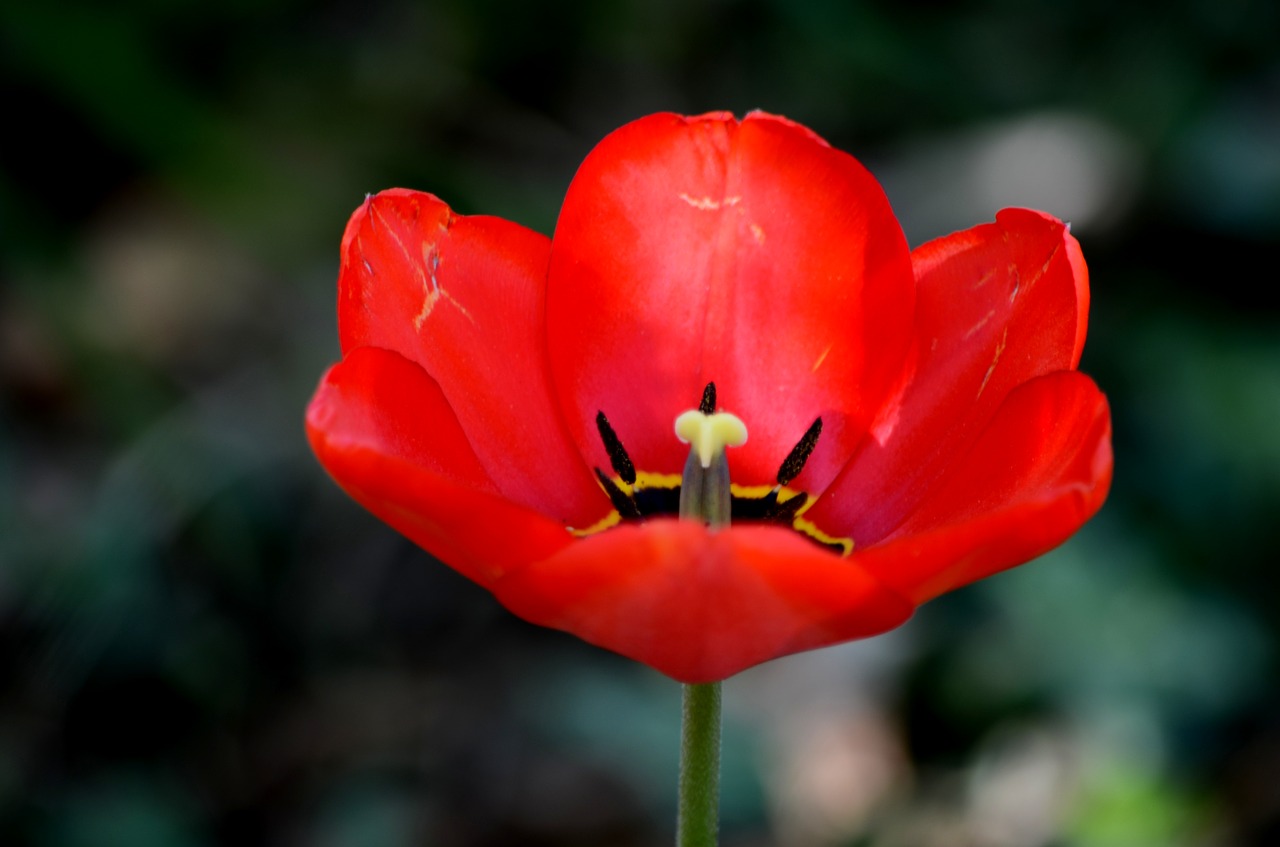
(704,491)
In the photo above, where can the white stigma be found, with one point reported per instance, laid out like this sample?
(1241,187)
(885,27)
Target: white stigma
(710,434)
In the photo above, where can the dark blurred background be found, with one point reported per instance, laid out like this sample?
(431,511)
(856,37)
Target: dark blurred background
(203,642)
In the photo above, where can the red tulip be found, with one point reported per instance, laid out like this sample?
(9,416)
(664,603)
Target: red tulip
(915,419)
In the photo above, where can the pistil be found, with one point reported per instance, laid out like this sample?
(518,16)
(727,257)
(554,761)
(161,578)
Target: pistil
(705,493)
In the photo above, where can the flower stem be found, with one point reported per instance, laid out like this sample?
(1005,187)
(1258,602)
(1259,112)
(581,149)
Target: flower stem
(698,821)
(705,497)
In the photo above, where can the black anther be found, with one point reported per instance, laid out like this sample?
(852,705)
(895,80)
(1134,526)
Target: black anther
(617,453)
(708,404)
(624,504)
(794,463)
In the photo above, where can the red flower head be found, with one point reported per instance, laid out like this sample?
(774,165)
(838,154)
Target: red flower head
(913,420)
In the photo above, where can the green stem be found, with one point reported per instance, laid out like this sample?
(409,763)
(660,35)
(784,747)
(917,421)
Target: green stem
(705,497)
(698,820)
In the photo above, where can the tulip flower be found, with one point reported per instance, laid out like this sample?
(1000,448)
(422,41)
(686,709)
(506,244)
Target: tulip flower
(724,414)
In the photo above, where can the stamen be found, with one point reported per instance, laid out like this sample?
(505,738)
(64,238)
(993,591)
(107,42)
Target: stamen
(620,499)
(794,463)
(617,453)
(786,510)
(708,404)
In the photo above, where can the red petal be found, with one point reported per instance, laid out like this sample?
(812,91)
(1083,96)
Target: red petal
(1036,474)
(701,606)
(996,305)
(750,254)
(464,298)
(383,429)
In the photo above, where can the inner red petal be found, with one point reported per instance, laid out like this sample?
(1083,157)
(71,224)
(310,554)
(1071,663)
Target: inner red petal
(746,253)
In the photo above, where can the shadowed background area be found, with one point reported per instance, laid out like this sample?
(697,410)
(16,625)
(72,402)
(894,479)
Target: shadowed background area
(204,642)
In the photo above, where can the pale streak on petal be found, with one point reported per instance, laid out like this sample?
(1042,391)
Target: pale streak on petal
(994,359)
(973,330)
(709,204)
(1017,276)
(821,358)
(887,420)
(757,232)
(435,292)
(430,259)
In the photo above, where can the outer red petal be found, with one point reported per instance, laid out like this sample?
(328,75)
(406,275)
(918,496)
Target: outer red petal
(996,305)
(464,298)
(384,430)
(701,606)
(750,254)
(1037,473)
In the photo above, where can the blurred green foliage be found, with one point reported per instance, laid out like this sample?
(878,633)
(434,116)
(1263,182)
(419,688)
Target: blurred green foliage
(204,643)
